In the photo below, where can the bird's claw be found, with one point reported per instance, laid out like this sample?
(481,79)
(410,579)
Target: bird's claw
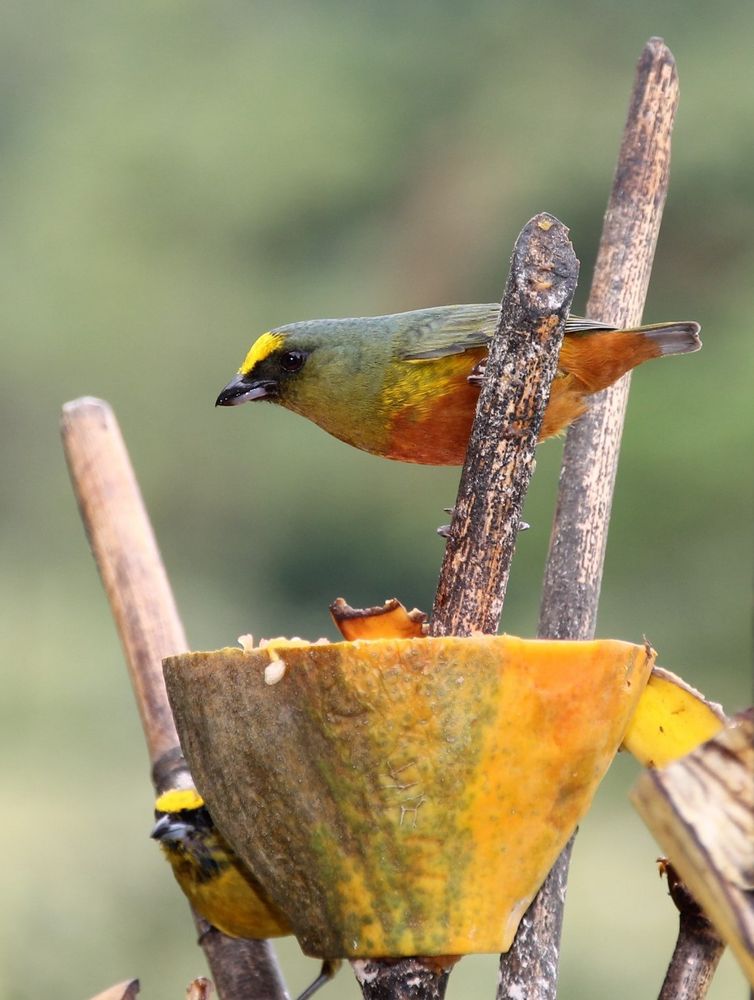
(444,530)
(329,967)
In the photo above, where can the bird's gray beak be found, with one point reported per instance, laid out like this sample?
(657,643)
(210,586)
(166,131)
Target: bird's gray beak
(170,829)
(243,389)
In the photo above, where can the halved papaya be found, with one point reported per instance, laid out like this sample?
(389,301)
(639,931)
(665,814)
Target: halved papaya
(403,796)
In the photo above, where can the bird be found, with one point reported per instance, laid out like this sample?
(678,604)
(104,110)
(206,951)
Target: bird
(208,871)
(213,878)
(405,386)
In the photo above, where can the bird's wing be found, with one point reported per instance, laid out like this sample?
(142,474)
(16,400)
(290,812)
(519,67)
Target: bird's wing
(437,333)
(577,324)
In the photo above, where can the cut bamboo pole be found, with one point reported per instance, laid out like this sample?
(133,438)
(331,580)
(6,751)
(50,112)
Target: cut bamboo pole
(147,620)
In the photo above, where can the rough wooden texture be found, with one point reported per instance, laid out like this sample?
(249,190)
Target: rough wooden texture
(573,573)
(499,463)
(407,979)
(127,990)
(500,460)
(522,361)
(701,811)
(698,949)
(533,959)
(146,617)
(199,989)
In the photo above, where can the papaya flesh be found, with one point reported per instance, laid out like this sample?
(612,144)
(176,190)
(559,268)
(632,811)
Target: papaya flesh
(671,720)
(403,796)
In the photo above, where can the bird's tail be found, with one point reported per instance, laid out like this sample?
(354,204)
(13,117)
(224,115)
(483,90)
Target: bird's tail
(672,338)
(597,358)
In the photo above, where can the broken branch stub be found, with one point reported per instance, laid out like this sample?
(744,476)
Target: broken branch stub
(522,362)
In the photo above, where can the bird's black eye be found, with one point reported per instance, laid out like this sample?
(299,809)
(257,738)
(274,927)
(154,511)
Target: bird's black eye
(292,361)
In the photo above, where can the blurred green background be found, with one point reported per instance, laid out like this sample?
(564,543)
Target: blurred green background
(178,177)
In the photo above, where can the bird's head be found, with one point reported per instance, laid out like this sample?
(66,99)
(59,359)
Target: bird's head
(180,817)
(275,363)
(329,370)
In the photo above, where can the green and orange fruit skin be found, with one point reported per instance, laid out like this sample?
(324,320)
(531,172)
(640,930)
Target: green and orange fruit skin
(404,796)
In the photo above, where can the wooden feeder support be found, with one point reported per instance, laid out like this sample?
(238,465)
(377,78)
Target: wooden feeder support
(146,617)
(573,573)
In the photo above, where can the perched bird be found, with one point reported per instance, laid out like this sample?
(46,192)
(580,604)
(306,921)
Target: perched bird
(216,884)
(208,871)
(405,386)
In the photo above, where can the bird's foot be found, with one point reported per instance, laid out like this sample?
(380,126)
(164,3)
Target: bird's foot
(329,967)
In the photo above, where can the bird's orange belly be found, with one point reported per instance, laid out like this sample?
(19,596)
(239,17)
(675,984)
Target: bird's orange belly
(436,434)
(436,431)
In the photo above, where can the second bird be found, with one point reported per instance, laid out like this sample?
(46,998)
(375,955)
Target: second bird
(405,386)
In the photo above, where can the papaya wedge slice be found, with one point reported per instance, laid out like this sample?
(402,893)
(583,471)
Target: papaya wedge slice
(671,720)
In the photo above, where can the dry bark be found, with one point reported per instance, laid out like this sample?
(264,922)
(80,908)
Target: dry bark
(522,362)
(404,979)
(499,464)
(698,949)
(573,573)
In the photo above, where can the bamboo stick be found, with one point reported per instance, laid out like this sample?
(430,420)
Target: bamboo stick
(147,620)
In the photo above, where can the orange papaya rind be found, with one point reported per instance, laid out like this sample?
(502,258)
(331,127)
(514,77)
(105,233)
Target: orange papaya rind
(403,796)
(671,719)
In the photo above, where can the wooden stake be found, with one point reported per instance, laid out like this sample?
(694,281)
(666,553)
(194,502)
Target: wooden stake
(146,617)
(499,463)
(522,361)
(573,573)
(127,557)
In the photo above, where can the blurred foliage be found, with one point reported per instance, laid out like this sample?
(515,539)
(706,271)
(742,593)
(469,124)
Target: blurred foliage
(177,178)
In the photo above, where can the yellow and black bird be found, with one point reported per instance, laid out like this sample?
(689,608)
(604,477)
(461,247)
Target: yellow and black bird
(208,871)
(399,386)
(212,877)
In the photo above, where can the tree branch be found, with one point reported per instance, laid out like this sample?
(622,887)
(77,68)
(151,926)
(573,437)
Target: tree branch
(698,949)
(522,361)
(402,979)
(499,462)
(573,573)
(146,617)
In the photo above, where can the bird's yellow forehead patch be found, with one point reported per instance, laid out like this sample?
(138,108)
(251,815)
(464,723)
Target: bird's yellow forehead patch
(262,348)
(177,799)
